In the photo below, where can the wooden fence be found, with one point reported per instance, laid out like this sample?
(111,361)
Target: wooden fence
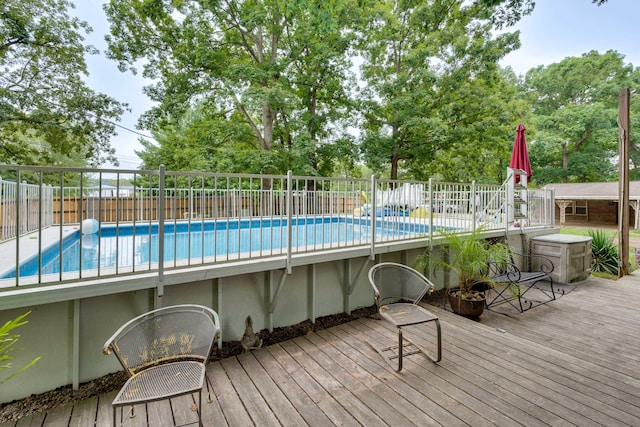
(73,210)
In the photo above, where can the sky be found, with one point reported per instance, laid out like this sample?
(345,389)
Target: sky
(555,30)
(560,28)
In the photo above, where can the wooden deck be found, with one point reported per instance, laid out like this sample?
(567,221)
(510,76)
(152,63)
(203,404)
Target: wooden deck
(575,361)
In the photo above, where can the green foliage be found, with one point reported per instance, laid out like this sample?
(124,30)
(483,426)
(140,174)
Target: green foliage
(604,253)
(434,87)
(266,87)
(48,115)
(242,86)
(575,103)
(281,77)
(467,256)
(8,339)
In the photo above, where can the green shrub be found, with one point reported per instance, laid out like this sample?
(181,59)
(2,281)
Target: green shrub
(7,342)
(604,253)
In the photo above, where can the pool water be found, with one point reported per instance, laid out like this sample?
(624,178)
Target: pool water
(128,246)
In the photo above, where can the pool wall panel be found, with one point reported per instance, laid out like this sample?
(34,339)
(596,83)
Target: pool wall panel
(48,334)
(100,317)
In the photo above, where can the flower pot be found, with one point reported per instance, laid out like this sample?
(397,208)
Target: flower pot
(466,307)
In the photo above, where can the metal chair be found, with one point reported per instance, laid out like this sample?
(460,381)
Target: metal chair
(398,289)
(164,353)
(523,283)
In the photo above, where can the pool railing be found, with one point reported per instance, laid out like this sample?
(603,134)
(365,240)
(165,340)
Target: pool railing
(42,206)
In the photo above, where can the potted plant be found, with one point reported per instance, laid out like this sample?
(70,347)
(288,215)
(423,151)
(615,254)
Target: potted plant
(467,255)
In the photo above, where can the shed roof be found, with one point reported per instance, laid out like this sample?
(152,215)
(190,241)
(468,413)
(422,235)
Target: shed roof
(593,190)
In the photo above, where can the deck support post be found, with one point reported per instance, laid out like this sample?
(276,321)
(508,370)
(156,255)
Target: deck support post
(311,292)
(273,295)
(217,291)
(346,279)
(75,380)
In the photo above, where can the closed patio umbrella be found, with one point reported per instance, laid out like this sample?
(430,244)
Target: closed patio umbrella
(519,155)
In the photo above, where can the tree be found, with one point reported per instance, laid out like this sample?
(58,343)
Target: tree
(575,105)
(269,76)
(202,141)
(47,113)
(479,148)
(431,67)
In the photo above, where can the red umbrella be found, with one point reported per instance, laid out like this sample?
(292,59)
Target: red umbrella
(519,155)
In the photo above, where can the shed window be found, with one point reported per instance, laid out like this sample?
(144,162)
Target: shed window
(579,207)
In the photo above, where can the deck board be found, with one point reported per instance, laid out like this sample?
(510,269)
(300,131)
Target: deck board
(155,414)
(294,367)
(386,408)
(334,388)
(353,365)
(441,392)
(35,420)
(182,409)
(59,417)
(104,416)
(282,408)
(520,368)
(439,376)
(84,413)
(408,385)
(230,403)
(571,362)
(296,395)
(252,399)
(212,410)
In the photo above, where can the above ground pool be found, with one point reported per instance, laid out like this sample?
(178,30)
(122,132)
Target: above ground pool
(137,247)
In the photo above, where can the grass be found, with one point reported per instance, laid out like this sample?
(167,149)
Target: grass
(610,232)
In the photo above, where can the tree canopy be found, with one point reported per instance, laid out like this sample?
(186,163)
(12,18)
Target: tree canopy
(268,79)
(575,104)
(48,115)
(405,89)
(433,84)
(276,84)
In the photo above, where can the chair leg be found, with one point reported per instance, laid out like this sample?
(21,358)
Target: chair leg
(419,349)
(206,380)
(439,338)
(399,349)
(200,406)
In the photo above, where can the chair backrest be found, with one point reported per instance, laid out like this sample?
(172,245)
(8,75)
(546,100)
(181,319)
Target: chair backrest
(394,282)
(179,332)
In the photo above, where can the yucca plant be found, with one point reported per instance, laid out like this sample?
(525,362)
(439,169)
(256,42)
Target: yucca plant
(604,253)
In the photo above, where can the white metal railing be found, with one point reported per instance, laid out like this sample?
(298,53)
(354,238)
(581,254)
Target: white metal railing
(25,208)
(159,220)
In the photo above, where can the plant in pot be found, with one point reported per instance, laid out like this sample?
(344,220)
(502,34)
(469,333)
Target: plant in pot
(467,255)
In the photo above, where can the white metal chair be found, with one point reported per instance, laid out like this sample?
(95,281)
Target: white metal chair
(164,353)
(398,289)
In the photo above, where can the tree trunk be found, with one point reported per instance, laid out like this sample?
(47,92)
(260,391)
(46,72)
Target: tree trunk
(395,157)
(565,162)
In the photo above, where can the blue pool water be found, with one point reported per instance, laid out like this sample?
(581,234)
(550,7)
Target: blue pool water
(126,245)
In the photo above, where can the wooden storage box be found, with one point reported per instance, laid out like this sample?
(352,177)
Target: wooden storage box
(571,255)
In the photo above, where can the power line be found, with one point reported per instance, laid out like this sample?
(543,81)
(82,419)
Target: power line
(125,128)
